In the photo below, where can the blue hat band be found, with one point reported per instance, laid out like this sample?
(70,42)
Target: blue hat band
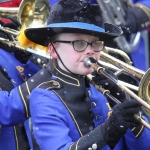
(76,25)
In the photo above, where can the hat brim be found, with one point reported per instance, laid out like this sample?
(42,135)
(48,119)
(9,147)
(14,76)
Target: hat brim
(42,35)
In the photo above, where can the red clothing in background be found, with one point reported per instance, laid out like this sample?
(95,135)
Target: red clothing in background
(9,3)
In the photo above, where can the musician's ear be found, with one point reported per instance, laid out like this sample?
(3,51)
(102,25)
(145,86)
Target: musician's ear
(52,51)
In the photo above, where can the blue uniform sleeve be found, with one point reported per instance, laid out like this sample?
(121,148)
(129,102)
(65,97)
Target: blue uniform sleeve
(140,143)
(48,120)
(12,109)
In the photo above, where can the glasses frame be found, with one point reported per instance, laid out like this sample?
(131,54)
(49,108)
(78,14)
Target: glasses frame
(88,43)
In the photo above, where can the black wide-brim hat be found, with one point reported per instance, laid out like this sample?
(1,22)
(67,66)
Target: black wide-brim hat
(74,16)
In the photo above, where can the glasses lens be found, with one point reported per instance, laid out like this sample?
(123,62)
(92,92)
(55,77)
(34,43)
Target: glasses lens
(97,45)
(79,45)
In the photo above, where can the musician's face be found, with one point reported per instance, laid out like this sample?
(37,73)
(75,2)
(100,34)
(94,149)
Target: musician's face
(72,59)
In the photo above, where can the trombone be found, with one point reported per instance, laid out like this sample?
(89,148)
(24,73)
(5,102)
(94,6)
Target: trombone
(28,11)
(144,77)
(91,62)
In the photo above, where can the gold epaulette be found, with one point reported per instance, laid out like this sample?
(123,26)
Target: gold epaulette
(43,80)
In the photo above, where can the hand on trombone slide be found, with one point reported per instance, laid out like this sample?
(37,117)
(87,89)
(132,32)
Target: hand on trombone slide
(90,62)
(107,84)
(120,121)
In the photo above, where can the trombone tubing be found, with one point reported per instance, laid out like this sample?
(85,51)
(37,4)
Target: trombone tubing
(101,70)
(107,94)
(128,68)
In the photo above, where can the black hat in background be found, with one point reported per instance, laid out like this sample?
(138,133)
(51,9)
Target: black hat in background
(74,16)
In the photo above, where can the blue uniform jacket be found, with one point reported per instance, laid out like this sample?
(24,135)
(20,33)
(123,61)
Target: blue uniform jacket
(12,101)
(55,128)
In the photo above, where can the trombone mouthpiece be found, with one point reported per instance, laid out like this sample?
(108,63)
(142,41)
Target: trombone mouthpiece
(87,62)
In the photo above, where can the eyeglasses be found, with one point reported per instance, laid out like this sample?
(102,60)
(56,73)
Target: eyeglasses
(81,45)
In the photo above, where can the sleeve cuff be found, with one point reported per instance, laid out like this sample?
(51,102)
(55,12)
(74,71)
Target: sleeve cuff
(92,140)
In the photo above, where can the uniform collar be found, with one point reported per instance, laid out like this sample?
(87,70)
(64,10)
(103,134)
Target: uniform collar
(67,77)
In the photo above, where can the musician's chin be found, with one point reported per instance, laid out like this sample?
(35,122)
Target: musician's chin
(85,71)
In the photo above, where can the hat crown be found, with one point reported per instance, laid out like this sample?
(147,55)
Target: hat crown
(76,11)
(74,16)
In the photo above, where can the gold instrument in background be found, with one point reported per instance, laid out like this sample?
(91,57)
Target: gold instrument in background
(28,11)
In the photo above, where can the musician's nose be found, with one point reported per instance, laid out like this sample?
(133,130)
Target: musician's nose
(89,50)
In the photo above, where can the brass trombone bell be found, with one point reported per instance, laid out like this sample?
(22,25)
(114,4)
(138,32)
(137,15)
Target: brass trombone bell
(28,11)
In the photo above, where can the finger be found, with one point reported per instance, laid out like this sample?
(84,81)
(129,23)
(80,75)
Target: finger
(131,111)
(108,85)
(120,96)
(130,104)
(115,90)
(130,119)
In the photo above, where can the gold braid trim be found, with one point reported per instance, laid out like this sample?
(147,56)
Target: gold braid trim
(140,131)
(70,146)
(133,129)
(76,145)
(16,139)
(24,102)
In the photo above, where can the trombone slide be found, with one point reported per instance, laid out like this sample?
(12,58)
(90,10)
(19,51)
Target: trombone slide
(107,94)
(101,70)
